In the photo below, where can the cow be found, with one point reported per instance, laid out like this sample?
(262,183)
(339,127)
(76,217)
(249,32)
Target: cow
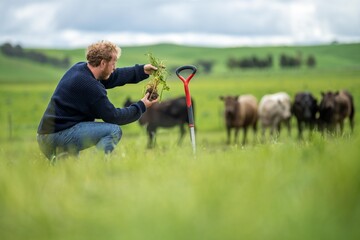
(240,112)
(305,109)
(274,109)
(334,108)
(166,114)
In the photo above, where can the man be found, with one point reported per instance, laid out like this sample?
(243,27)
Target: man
(68,124)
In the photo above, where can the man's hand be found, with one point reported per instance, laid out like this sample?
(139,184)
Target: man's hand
(147,102)
(149,69)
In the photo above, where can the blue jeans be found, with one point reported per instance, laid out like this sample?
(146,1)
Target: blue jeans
(83,135)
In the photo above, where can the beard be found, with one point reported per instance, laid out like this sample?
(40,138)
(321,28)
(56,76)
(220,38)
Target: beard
(104,75)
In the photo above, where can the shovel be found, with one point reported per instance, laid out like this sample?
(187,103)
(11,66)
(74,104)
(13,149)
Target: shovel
(188,101)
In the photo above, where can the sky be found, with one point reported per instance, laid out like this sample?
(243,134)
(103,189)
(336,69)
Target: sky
(213,23)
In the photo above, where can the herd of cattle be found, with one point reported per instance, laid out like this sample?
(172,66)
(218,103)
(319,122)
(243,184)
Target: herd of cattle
(272,111)
(276,109)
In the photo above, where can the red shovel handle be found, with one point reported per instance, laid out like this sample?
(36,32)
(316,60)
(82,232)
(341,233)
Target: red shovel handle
(187,80)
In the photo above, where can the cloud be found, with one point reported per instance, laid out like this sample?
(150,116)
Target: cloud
(72,23)
(35,17)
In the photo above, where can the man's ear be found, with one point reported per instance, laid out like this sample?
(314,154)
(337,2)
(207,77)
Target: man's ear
(102,63)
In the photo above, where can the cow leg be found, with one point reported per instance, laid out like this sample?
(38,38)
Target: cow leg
(341,124)
(263,128)
(228,130)
(272,131)
(299,123)
(320,126)
(244,136)
(328,128)
(236,139)
(153,138)
(351,119)
(254,126)
(151,133)
(331,128)
(275,130)
(287,122)
(182,133)
(311,128)
(150,139)
(274,126)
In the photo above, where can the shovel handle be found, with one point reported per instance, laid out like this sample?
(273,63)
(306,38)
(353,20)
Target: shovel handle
(189,67)
(186,81)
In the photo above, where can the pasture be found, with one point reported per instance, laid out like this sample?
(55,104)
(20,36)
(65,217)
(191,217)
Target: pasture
(281,189)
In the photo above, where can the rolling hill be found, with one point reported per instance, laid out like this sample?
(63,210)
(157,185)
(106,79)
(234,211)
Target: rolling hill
(328,58)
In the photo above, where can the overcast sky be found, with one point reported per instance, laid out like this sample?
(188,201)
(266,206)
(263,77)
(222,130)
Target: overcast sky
(218,23)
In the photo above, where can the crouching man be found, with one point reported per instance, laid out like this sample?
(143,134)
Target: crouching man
(68,124)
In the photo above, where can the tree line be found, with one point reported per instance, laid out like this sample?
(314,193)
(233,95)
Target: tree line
(18,52)
(255,62)
(250,62)
(285,61)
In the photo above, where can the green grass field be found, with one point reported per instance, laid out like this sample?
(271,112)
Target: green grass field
(283,189)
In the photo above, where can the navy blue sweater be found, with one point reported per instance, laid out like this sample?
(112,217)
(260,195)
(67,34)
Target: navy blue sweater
(79,97)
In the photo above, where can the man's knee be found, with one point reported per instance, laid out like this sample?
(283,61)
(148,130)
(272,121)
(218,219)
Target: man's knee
(116,133)
(109,142)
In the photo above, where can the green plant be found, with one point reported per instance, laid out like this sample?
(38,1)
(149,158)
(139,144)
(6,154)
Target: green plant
(158,78)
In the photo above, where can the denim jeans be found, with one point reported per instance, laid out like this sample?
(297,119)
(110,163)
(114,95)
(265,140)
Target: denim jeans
(83,135)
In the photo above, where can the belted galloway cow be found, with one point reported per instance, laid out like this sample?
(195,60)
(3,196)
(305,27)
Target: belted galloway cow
(334,108)
(240,112)
(305,108)
(274,109)
(166,114)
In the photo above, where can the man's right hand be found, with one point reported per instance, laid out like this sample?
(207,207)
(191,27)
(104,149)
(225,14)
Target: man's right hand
(147,102)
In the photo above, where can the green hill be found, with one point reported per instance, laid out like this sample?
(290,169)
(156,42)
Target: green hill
(328,57)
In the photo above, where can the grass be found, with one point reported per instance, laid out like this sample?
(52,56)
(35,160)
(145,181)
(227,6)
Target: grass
(293,190)
(284,189)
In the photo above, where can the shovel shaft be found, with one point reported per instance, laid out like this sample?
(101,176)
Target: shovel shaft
(191,116)
(191,125)
(193,141)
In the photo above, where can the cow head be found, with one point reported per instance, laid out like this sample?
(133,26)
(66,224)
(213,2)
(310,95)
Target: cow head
(231,105)
(284,108)
(327,105)
(305,105)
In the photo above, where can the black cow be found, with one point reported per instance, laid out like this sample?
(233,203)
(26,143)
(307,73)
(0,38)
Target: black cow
(305,108)
(166,114)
